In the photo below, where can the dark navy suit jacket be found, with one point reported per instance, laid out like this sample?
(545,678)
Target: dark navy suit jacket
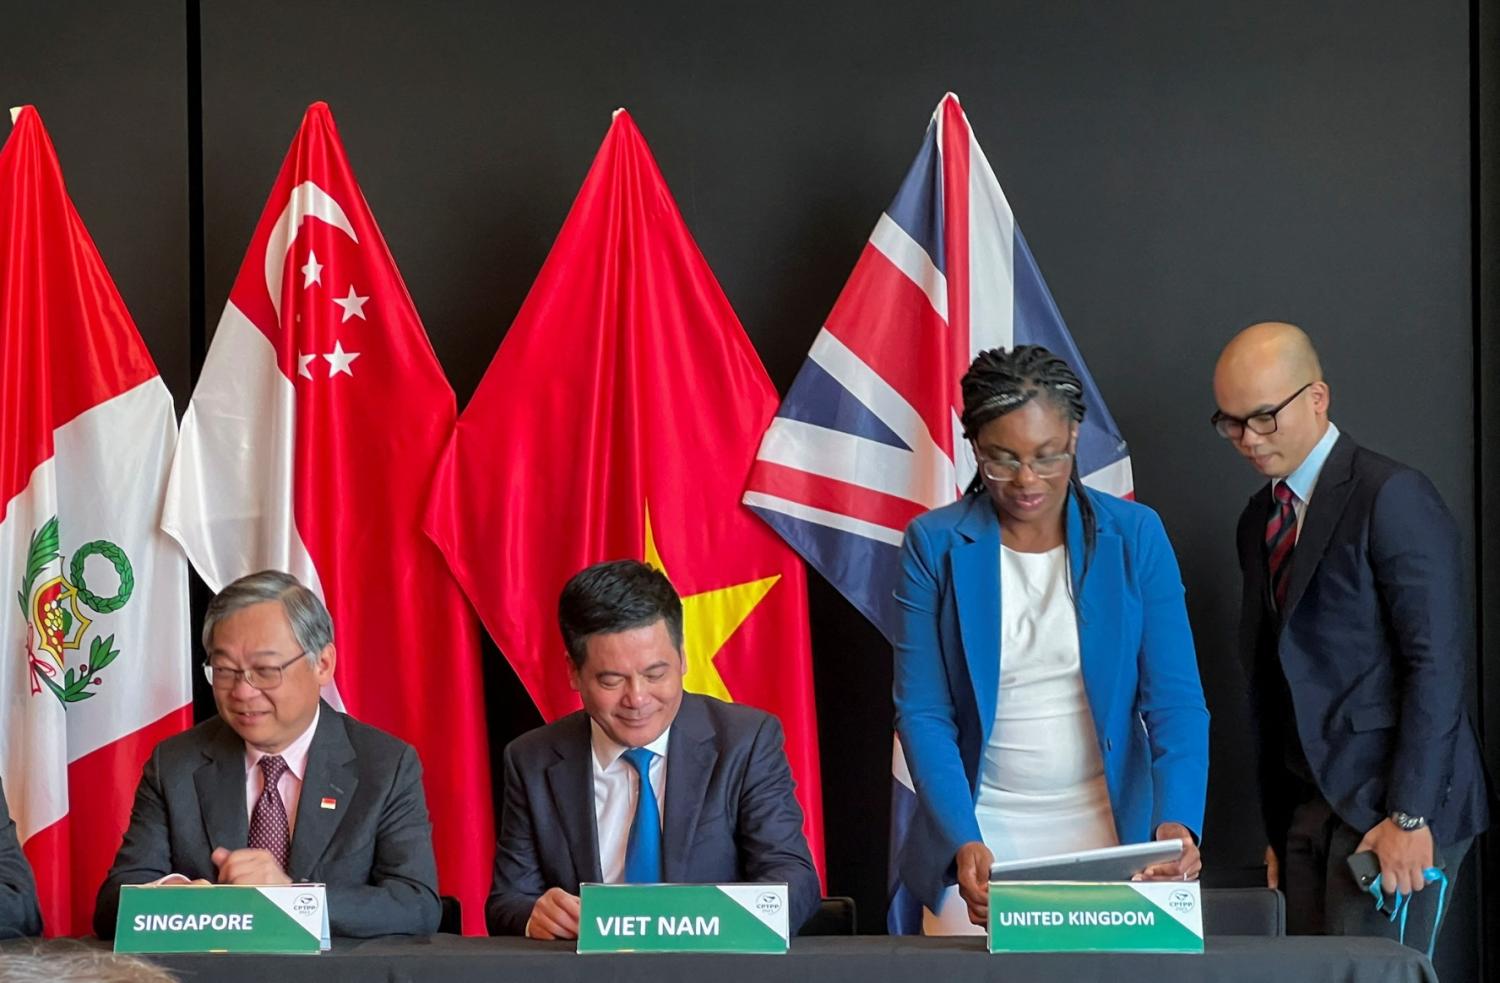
(19,914)
(730,817)
(373,850)
(1373,640)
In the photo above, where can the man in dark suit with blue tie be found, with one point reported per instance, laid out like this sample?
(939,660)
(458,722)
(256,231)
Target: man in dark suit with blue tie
(1355,634)
(646,783)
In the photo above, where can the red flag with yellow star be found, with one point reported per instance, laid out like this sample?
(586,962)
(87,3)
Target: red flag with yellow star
(620,418)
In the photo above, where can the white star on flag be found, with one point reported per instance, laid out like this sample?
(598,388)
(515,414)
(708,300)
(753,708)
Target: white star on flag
(302,362)
(353,305)
(313,272)
(339,360)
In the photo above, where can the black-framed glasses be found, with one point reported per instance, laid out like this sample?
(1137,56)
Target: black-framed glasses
(1009,469)
(1263,423)
(261,677)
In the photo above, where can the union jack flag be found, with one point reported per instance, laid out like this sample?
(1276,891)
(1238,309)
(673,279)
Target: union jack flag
(868,436)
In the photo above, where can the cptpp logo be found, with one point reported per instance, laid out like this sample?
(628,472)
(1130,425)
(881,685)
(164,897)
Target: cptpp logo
(1182,901)
(768,903)
(53,604)
(305,904)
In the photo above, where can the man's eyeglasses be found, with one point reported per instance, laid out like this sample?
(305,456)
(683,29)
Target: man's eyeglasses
(1009,469)
(1264,423)
(261,677)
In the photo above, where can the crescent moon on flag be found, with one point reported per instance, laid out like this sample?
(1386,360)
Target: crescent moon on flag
(307,200)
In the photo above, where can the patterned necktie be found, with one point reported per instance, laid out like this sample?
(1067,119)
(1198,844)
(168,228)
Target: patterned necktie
(643,848)
(269,829)
(1281,536)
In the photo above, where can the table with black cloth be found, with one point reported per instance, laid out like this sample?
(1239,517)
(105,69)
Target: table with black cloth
(859,959)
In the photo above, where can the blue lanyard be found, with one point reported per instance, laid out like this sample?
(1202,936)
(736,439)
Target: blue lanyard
(1403,905)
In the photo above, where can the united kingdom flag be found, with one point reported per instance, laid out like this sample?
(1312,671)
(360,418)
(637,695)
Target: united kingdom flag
(868,437)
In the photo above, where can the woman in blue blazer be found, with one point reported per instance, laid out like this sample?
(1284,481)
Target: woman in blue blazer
(1057,611)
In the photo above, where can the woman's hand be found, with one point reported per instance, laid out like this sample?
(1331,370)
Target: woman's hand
(974,861)
(1184,868)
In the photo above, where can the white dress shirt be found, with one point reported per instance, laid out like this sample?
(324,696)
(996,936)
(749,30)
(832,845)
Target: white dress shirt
(290,783)
(616,789)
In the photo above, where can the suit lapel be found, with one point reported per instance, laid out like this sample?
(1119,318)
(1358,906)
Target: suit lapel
(220,784)
(1330,495)
(1099,598)
(691,756)
(331,773)
(976,590)
(570,781)
(1255,598)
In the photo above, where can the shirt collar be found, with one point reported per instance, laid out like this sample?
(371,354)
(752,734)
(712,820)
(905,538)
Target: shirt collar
(295,753)
(1305,478)
(607,751)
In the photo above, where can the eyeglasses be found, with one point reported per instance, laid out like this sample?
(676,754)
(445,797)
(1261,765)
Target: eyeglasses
(1009,469)
(260,677)
(1233,427)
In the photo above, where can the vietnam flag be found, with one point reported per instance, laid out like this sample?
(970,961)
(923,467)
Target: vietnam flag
(94,612)
(619,419)
(309,447)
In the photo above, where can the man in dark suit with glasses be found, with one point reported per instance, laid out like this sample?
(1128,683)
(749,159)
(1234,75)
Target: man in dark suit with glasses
(1355,635)
(280,787)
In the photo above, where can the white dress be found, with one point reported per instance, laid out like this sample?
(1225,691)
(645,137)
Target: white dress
(1041,780)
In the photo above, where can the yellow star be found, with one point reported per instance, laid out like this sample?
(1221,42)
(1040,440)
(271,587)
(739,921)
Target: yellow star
(708,621)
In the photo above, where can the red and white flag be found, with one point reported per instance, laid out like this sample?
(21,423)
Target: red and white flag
(309,446)
(94,614)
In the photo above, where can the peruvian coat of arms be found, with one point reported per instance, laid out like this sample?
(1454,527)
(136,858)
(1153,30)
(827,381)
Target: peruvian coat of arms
(56,622)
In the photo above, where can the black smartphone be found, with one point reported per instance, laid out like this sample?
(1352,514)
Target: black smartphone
(1365,867)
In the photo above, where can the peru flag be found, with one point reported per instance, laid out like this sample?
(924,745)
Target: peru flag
(94,613)
(309,446)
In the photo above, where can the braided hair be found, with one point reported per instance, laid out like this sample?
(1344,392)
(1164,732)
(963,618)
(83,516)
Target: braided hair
(1000,381)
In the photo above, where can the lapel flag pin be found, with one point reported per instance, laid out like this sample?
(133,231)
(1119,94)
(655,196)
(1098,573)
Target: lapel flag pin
(329,803)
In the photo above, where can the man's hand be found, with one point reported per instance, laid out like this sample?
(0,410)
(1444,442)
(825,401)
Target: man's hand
(554,916)
(974,861)
(1403,855)
(248,867)
(1184,868)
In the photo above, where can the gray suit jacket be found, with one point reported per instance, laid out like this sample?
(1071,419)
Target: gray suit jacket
(19,914)
(373,851)
(731,815)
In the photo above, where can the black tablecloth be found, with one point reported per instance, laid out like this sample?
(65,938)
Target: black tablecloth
(864,959)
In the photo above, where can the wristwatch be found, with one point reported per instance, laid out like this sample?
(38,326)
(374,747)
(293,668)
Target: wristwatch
(1407,822)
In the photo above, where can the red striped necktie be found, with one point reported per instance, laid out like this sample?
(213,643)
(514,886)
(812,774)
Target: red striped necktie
(1281,536)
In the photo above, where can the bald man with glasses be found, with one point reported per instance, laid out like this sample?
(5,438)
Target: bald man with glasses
(280,788)
(1354,632)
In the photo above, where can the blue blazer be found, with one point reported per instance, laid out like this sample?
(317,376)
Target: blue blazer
(1138,665)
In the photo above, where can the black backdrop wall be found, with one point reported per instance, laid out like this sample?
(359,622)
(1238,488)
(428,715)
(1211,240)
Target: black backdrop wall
(1181,169)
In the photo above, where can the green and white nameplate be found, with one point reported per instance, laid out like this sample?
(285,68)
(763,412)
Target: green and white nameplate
(1134,916)
(222,918)
(683,918)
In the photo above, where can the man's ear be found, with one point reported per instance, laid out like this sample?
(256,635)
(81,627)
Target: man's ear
(323,665)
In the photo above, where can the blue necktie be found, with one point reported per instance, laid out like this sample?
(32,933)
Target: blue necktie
(643,849)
